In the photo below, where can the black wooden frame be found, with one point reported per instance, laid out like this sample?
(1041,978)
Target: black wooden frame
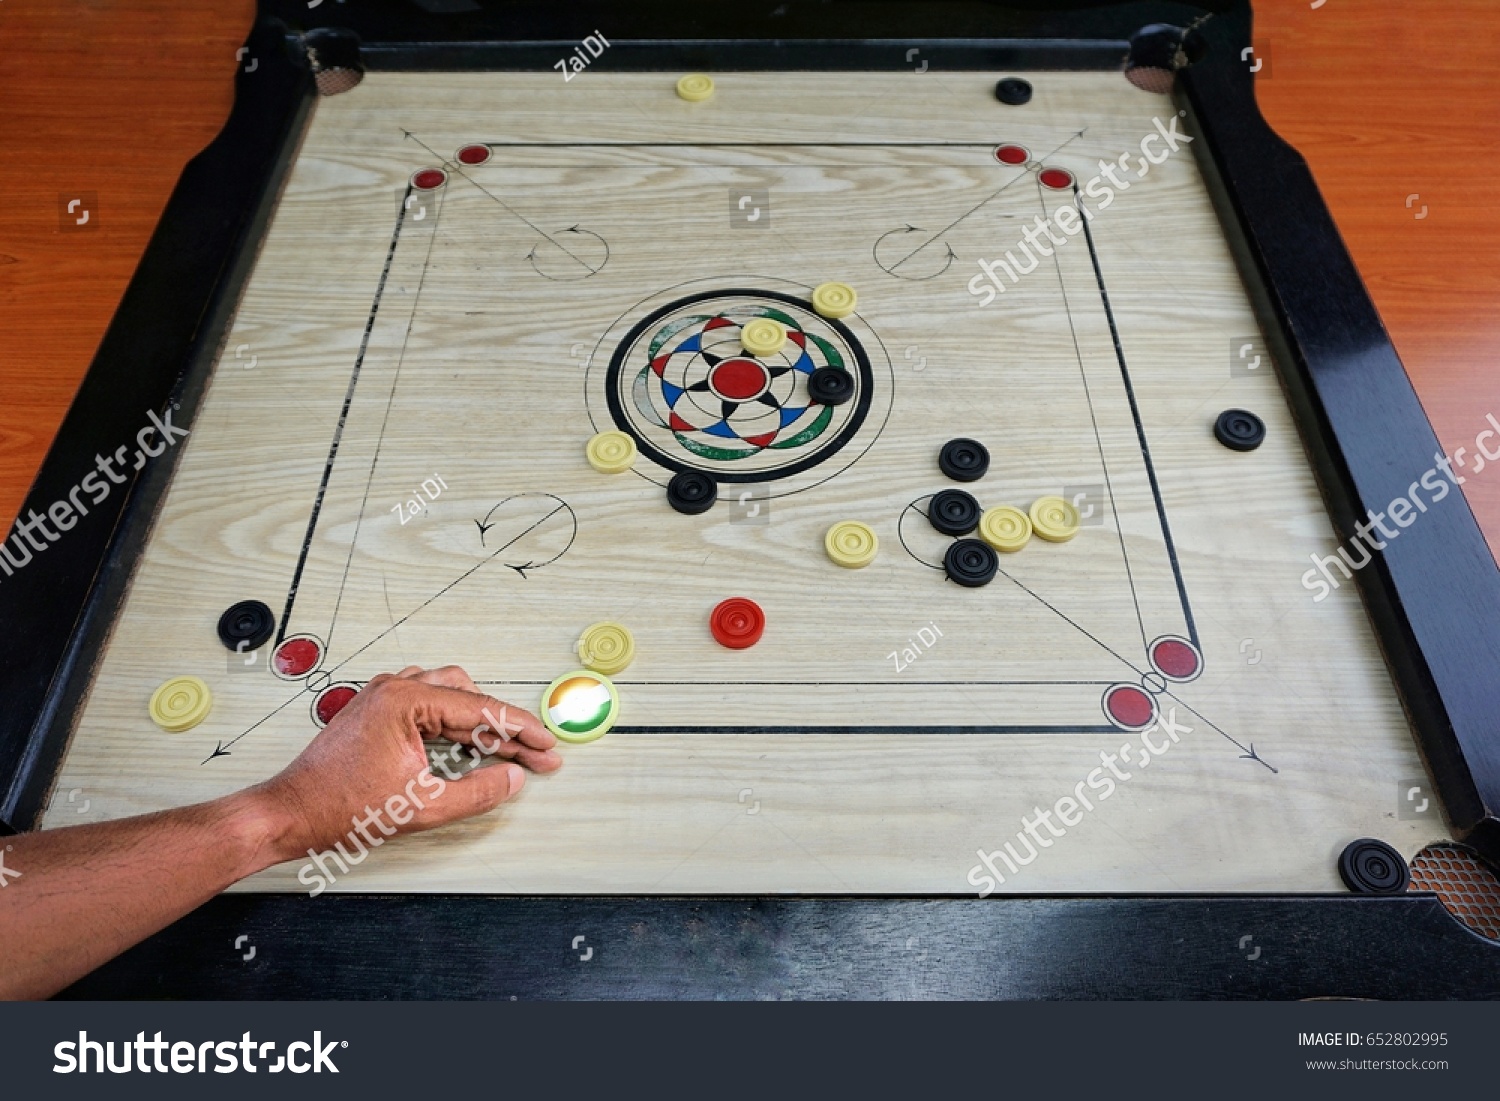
(1433,595)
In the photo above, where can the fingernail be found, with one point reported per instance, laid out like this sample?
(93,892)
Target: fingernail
(517,778)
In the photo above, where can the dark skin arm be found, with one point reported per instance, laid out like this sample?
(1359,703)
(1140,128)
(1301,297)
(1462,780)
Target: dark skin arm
(79,896)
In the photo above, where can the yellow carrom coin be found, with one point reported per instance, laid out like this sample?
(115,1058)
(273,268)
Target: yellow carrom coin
(763,337)
(695,87)
(180,704)
(1006,528)
(611,452)
(606,648)
(851,544)
(834,299)
(1054,519)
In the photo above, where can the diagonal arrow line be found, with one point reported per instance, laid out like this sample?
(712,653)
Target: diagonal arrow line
(222,750)
(973,209)
(503,204)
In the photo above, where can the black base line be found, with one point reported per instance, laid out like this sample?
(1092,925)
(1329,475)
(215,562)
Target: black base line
(338,432)
(1088,397)
(824,683)
(390,401)
(1140,429)
(962,728)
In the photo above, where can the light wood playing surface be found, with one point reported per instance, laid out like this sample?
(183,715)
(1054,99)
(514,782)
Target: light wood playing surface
(482,370)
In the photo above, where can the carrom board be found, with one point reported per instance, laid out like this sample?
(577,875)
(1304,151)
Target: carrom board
(451,275)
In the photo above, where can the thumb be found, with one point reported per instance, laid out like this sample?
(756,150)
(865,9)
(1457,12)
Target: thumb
(478,792)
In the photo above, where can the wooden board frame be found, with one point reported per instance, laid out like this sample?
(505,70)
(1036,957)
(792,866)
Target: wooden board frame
(1433,597)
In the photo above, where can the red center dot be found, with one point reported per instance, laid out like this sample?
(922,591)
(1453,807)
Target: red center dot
(429,179)
(739,379)
(1130,706)
(474,154)
(1012,154)
(1056,178)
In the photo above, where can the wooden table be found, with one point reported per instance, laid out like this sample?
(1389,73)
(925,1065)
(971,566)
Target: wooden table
(1395,111)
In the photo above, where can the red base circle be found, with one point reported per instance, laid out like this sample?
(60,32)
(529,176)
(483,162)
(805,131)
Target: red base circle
(297,656)
(1057,179)
(332,700)
(1129,707)
(1175,658)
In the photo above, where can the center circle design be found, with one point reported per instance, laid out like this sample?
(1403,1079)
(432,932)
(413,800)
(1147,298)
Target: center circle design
(739,380)
(681,382)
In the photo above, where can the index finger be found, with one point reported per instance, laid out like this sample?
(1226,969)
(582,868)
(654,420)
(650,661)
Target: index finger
(462,716)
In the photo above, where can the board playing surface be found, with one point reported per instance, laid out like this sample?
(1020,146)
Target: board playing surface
(475,332)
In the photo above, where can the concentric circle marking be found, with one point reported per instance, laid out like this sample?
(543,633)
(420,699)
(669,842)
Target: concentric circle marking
(473,155)
(1129,706)
(681,384)
(1175,658)
(580,706)
(180,704)
(428,179)
(1014,155)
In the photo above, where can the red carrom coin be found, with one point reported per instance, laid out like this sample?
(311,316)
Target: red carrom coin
(737,623)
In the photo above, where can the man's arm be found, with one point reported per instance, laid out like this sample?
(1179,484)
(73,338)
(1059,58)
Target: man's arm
(76,897)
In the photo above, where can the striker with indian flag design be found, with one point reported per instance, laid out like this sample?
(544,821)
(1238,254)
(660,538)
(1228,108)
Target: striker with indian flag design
(580,706)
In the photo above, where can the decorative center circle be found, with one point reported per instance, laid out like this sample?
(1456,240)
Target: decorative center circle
(699,387)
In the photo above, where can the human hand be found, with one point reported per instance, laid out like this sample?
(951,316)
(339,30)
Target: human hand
(368,766)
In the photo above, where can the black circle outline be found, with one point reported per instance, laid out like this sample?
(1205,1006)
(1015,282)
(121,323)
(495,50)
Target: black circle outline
(850,430)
